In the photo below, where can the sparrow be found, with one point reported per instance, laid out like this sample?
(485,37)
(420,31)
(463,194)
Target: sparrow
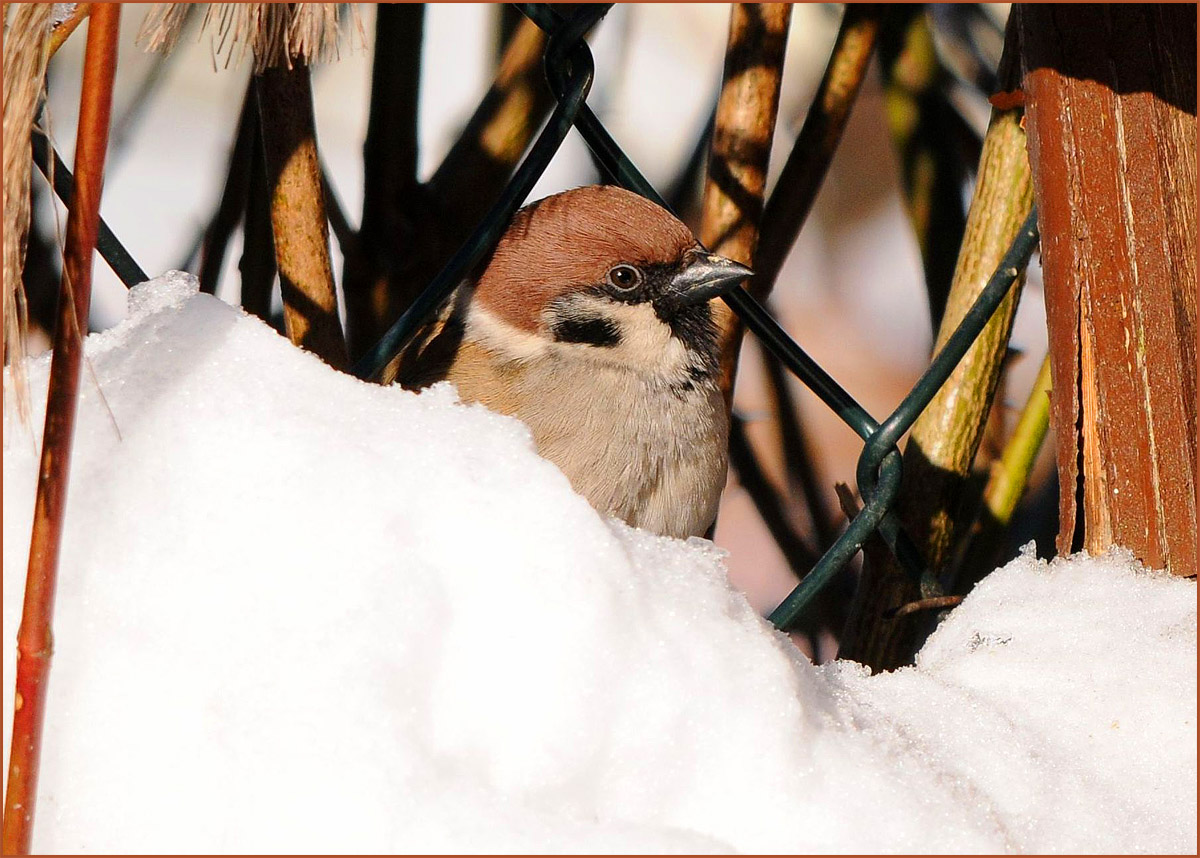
(590,322)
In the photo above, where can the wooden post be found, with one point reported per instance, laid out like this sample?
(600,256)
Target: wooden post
(1110,93)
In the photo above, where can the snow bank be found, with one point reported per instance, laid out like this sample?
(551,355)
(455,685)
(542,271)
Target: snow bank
(301,613)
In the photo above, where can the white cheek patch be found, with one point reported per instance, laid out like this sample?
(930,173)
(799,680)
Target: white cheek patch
(497,335)
(646,342)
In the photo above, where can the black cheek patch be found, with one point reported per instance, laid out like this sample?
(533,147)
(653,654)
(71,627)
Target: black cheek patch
(592,331)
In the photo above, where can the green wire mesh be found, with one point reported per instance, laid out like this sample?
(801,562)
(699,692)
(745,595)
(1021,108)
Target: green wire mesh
(570,72)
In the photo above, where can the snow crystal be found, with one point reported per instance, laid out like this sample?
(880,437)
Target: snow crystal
(301,613)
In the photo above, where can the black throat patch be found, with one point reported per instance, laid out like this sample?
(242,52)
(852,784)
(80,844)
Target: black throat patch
(591,330)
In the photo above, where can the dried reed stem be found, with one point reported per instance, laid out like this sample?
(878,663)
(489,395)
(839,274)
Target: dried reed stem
(1007,480)
(808,162)
(34,641)
(783,217)
(945,438)
(391,210)
(737,170)
(298,221)
(232,204)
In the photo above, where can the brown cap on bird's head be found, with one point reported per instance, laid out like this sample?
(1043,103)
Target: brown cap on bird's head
(572,239)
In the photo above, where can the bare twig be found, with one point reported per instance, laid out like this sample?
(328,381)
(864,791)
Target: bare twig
(800,471)
(933,603)
(34,641)
(766,500)
(66,27)
(479,163)
(346,237)
(804,171)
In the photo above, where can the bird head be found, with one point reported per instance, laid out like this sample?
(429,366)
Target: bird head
(599,273)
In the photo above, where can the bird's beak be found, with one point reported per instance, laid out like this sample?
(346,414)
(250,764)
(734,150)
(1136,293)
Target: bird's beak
(706,277)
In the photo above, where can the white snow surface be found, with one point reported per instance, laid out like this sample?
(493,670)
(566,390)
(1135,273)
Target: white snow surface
(301,613)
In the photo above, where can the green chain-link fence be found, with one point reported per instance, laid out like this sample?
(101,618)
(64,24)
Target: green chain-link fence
(570,70)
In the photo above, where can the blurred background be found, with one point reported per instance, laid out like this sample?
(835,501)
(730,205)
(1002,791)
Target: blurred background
(851,292)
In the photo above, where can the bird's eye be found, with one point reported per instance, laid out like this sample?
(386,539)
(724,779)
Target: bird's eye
(624,277)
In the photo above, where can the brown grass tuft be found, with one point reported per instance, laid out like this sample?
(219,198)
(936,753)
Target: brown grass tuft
(25,58)
(275,33)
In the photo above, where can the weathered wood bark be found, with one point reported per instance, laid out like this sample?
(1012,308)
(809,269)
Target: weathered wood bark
(1111,99)
(737,169)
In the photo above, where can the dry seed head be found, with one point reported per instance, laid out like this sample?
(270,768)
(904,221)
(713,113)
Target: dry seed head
(275,33)
(25,57)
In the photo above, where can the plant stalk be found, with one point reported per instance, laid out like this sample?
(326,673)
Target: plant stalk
(34,639)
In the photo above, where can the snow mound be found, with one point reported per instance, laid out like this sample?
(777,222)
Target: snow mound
(301,613)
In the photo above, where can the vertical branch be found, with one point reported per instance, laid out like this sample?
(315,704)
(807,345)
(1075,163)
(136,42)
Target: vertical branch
(477,167)
(945,438)
(741,147)
(232,204)
(390,177)
(298,221)
(431,221)
(808,162)
(1006,484)
(784,215)
(925,129)
(257,263)
(34,640)
(1112,140)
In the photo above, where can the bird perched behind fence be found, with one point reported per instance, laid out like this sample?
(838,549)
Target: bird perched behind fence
(591,323)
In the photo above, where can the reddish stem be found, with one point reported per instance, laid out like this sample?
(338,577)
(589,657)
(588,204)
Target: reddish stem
(34,639)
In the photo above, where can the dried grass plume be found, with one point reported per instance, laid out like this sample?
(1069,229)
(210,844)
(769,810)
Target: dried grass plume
(276,33)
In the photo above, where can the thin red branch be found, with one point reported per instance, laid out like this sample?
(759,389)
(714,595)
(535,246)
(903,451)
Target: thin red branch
(34,640)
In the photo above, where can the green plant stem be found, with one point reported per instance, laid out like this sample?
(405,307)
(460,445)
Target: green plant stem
(1010,473)
(1006,484)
